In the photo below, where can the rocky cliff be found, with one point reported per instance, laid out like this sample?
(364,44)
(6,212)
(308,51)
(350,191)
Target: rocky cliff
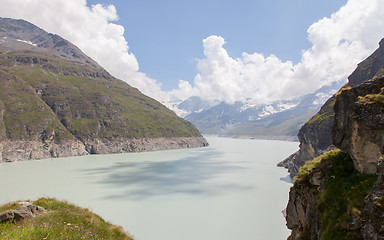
(315,135)
(329,200)
(55,101)
(339,194)
(359,124)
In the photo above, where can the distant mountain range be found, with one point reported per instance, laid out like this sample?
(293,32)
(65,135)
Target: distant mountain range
(56,101)
(278,120)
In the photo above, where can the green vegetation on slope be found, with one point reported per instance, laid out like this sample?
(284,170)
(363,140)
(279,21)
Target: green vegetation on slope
(25,114)
(371,98)
(342,195)
(88,102)
(321,119)
(61,221)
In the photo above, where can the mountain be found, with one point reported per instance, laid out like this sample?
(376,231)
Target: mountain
(55,101)
(315,135)
(278,120)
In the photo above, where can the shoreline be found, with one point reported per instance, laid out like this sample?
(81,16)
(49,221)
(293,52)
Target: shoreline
(23,150)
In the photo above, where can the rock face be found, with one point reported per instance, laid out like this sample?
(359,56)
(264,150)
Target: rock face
(120,145)
(20,150)
(55,101)
(315,135)
(302,216)
(359,124)
(330,189)
(328,201)
(26,210)
(372,222)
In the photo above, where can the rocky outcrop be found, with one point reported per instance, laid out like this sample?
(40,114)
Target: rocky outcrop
(302,216)
(121,145)
(359,124)
(331,198)
(26,210)
(314,139)
(301,213)
(328,201)
(20,150)
(315,135)
(372,220)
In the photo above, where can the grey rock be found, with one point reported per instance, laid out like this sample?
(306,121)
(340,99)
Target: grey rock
(27,210)
(122,145)
(20,150)
(359,125)
(372,220)
(302,216)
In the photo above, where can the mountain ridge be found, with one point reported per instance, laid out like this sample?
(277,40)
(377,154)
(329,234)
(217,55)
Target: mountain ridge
(247,120)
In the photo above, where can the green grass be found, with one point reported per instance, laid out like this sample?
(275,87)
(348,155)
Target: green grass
(347,88)
(320,120)
(61,221)
(8,206)
(79,100)
(25,115)
(371,98)
(342,195)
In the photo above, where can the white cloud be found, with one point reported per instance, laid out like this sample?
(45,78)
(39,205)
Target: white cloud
(92,30)
(338,44)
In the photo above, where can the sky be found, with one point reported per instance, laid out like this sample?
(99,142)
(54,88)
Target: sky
(174,30)
(218,50)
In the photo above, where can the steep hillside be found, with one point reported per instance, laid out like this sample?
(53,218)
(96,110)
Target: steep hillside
(56,101)
(340,195)
(315,135)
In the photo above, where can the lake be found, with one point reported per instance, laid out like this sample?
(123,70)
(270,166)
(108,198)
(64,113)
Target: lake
(229,190)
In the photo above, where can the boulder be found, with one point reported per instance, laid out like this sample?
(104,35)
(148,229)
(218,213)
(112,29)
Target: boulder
(27,210)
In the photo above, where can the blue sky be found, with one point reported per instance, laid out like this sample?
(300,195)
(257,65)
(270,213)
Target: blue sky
(251,51)
(166,36)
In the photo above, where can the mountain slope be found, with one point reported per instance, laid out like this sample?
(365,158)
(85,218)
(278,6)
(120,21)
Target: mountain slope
(55,96)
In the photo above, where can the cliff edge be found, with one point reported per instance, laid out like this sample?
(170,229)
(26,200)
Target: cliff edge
(340,195)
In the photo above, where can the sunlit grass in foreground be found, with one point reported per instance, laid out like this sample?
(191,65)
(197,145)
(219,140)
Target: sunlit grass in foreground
(62,220)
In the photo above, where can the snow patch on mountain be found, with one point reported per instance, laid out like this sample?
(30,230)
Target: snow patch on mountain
(27,42)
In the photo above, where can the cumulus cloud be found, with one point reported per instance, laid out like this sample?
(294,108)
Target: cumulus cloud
(92,30)
(338,42)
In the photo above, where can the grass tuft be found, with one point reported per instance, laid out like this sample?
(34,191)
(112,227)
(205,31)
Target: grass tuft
(61,221)
(342,194)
